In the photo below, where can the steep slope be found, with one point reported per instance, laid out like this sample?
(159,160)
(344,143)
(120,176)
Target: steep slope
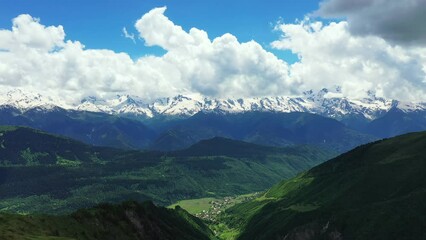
(92,128)
(130,221)
(375,191)
(40,172)
(266,128)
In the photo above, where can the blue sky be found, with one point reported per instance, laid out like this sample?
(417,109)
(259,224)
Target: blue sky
(98,24)
(357,45)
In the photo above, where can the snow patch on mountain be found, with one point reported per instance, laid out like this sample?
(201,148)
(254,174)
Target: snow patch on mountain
(411,107)
(24,100)
(325,102)
(121,104)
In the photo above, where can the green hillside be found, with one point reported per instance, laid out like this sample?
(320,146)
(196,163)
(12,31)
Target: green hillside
(126,221)
(21,146)
(375,191)
(45,173)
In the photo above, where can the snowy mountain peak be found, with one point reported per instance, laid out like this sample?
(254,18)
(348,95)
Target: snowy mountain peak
(91,99)
(25,100)
(371,94)
(325,102)
(409,107)
(316,96)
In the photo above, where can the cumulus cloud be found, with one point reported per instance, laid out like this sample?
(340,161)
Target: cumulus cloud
(331,56)
(38,57)
(27,33)
(400,22)
(222,66)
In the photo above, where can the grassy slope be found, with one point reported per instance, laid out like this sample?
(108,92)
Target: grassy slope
(129,220)
(375,191)
(195,206)
(40,172)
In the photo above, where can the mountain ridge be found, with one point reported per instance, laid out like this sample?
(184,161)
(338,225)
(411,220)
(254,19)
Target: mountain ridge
(132,123)
(263,128)
(325,102)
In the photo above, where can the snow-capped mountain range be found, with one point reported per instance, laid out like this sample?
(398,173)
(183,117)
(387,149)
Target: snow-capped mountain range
(324,103)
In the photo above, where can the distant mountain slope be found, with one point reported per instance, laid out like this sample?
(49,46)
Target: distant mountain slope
(218,146)
(160,122)
(128,221)
(26,146)
(266,128)
(326,102)
(40,172)
(92,128)
(375,191)
(396,122)
(130,122)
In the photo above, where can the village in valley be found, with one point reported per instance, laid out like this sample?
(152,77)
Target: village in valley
(218,206)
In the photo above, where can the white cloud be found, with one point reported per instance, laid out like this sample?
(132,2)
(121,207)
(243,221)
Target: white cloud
(27,33)
(219,67)
(128,35)
(330,55)
(37,57)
